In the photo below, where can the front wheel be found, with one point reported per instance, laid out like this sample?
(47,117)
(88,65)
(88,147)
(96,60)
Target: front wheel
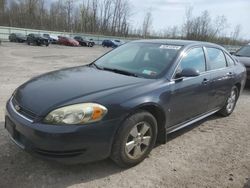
(228,108)
(135,139)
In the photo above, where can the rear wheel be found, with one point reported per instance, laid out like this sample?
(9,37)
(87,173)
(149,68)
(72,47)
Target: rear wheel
(230,103)
(135,139)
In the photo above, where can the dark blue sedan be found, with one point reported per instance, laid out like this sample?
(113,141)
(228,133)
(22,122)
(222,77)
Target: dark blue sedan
(110,43)
(120,105)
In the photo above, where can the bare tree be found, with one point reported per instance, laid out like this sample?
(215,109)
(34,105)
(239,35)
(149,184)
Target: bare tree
(236,32)
(220,24)
(147,24)
(69,8)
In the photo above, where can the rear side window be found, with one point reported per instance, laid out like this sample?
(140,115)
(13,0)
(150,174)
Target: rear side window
(230,62)
(193,59)
(216,58)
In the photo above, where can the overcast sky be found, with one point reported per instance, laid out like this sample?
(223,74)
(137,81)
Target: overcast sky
(172,12)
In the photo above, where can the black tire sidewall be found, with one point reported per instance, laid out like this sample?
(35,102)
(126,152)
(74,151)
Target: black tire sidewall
(118,154)
(224,112)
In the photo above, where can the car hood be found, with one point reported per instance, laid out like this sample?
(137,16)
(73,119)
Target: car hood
(244,60)
(46,92)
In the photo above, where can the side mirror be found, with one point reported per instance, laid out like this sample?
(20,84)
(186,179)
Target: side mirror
(232,53)
(187,72)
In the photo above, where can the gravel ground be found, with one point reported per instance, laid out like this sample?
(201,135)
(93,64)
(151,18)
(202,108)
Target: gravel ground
(212,153)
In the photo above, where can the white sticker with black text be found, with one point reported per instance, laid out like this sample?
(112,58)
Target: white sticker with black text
(171,47)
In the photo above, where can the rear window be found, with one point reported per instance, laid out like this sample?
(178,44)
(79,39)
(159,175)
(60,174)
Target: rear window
(216,58)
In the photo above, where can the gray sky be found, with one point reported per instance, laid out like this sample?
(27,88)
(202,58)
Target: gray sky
(172,12)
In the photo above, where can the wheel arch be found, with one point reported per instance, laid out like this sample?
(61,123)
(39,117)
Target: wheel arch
(158,112)
(238,85)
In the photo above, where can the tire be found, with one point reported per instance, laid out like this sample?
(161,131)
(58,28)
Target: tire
(231,101)
(135,139)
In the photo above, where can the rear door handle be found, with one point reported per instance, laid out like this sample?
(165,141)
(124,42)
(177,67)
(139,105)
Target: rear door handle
(205,81)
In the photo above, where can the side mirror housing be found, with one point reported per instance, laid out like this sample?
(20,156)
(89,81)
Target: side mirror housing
(187,72)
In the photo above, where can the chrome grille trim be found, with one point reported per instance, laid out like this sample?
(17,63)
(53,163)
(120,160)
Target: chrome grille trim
(13,108)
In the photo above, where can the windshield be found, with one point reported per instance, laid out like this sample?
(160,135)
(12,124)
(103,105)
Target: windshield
(20,35)
(244,51)
(37,35)
(146,60)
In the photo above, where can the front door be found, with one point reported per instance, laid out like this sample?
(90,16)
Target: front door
(189,96)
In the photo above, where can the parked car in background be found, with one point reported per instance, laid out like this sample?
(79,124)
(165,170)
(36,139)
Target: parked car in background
(17,37)
(243,56)
(37,39)
(119,42)
(52,39)
(122,103)
(92,40)
(67,41)
(109,43)
(84,42)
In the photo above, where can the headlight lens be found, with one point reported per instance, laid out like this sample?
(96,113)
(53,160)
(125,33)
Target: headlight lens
(76,114)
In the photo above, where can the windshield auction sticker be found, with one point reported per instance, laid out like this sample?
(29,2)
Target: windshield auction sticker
(170,47)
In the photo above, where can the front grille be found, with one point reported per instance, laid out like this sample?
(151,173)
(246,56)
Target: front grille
(23,111)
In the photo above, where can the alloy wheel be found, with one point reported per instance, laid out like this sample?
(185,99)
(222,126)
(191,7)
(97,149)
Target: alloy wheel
(138,140)
(231,100)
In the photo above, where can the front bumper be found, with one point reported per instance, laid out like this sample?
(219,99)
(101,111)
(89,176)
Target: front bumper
(65,143)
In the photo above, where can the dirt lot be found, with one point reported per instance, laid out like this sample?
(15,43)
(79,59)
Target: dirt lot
(211,153)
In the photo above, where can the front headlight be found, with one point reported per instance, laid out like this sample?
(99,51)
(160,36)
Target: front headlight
(76,114)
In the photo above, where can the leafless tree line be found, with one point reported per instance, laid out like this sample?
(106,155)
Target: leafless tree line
(204,28)
(109,17)
(91,16)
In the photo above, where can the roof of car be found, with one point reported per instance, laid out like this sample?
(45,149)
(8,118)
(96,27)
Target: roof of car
(178,42)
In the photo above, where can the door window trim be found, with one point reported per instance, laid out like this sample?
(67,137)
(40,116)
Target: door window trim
(209,67)
(182,56)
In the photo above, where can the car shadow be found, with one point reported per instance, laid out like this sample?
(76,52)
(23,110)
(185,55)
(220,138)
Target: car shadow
(184,130)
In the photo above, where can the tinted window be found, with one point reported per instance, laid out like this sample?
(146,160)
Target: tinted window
(194,59)
(230,62)
(216,58)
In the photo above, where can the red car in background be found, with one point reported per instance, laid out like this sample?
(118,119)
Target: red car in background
(67,41)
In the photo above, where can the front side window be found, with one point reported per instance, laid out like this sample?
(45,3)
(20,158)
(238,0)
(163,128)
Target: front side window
(194,59)
(147,60)
(216,58)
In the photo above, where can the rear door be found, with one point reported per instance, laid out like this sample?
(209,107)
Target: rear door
(189,97)
(221,77)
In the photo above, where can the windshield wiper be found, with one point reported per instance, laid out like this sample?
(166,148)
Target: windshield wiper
(120,71)
(96,66)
